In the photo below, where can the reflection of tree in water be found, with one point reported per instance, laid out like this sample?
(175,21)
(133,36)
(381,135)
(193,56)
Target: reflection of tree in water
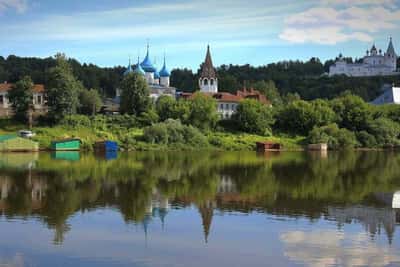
(291,184)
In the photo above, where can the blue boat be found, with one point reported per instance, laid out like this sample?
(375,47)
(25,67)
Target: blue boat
(106,146)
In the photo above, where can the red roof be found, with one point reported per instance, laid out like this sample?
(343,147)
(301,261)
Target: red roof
(37,88)
(228,97)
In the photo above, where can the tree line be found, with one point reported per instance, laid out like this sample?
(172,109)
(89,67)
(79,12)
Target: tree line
(306,78)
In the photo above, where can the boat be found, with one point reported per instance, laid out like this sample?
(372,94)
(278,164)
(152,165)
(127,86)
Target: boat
(14,143)
(72,144)
(106,145)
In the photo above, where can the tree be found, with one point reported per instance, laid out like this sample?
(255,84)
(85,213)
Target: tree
(203,111)
(385,131)
(353,113)
(269,89)
(169,108)
(90,102)
(253,117)
(135,97)
(62,90)
(20,97)
(331,134)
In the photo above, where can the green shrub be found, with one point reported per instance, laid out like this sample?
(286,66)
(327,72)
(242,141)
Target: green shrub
(331,134)
(365,139)
(385,131)
(173,132)
(75,121)
(254,117)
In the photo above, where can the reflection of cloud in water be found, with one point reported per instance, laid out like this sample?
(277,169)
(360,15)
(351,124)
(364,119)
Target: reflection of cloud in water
(331,248)
(16,261)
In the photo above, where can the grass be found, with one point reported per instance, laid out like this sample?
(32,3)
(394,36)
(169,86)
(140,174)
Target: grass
(132,139)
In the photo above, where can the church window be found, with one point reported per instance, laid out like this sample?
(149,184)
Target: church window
(212,82)
(1,99)
(205,82)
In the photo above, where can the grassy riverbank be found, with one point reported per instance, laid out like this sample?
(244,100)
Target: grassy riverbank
(133,138)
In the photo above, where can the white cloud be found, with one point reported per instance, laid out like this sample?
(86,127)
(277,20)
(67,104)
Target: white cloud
(329,25)
(387,3)
(331,248)
(19,5)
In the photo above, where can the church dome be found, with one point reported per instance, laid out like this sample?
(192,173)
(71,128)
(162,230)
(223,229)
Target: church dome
(147,65)
(129,69)
(164,72)
(139,70)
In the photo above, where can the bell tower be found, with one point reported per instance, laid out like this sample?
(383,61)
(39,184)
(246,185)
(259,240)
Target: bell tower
(208,81)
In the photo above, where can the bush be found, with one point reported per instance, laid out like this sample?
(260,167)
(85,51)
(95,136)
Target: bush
(385,131)
(335,138)
(300,117)
(76,121)
(365,139)
(173,132)
(254,117)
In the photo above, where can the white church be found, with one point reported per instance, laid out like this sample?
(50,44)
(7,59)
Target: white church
(374,63)
(158,81)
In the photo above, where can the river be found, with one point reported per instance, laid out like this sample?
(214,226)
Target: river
(200,209)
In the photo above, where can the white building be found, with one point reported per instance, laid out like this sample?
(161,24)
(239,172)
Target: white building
(390,95)
(158,81)
(374,63)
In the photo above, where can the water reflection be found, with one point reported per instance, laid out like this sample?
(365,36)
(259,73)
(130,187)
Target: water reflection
(358,188)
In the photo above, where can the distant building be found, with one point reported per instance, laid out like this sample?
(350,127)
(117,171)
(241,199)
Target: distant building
(374,63)
(390,95)
(208,81)
(158,81)
(227,102)
(38,100)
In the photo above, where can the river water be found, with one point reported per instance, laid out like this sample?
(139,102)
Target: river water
(200,209)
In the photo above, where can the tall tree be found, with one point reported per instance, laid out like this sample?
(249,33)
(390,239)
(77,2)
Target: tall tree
(90,101)
(20,97)
(62,90)
(135,94)
(203,111)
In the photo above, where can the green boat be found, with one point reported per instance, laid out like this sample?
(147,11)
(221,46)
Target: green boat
(72,144)
(13,143)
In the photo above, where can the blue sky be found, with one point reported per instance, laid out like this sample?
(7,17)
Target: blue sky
(257,32)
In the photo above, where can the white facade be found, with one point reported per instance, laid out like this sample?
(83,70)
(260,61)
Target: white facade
(164,81)
(390,95)
(226,109)
(208,85)
(374,63)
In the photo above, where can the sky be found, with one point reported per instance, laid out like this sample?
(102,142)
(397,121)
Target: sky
(258,32)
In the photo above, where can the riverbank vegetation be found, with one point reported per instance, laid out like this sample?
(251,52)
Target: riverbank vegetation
(346,121)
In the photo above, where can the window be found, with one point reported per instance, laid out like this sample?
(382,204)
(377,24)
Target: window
(212,82)
(39,99)
(1,99)
(221,106)
(227,106)
(205,82)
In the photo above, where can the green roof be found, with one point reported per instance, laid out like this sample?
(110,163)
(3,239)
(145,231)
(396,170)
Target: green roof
(7,137)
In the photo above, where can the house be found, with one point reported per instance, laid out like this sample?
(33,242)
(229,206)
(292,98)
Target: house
(38,100)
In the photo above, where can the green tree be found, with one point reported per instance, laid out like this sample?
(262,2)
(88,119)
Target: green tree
(20,97)
(165,106)
(331,134)
(253,117)
(62,90)
(90,101)
(353,113)
(135,95)
(385,131)
(203,111)
(268,88)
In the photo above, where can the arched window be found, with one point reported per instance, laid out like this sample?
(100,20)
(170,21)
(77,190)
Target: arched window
(212,82)
(205,82)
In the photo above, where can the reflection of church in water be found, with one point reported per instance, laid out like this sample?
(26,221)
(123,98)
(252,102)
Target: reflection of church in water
(373,219)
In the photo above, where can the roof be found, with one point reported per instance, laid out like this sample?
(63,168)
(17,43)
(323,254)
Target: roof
(146,64)
(390,95)
(239,96)
(164,72)
(7,137)
(37,88)
(207,68)
(390,49)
